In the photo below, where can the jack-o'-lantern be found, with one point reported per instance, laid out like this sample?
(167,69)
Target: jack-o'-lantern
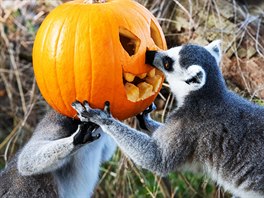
(96,52)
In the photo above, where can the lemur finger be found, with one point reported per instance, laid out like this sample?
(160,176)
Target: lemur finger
(80,133)
(86,105)
(78,107)
(107,107)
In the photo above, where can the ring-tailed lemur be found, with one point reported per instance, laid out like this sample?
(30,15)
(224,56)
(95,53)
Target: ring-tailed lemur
(62,159)
(211,126)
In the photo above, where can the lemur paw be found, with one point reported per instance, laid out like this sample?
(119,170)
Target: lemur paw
(86,113)
(142,116)
(84,133)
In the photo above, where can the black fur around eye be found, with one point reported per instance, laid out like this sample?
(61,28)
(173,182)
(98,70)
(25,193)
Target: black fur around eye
(167,63)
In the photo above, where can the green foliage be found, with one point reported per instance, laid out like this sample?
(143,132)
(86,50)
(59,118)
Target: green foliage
(258,101)
(121,178)
(2,165)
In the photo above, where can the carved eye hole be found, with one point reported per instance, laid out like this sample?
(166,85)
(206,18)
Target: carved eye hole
(129,41)
(155,35)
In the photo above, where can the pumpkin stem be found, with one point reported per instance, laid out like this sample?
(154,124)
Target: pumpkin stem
(94,1)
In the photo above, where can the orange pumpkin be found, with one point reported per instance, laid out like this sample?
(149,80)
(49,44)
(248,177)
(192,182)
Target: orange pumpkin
(96,52)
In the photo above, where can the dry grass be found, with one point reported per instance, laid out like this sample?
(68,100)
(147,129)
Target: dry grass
(21,105)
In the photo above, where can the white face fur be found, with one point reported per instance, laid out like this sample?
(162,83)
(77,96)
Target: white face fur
(182,81)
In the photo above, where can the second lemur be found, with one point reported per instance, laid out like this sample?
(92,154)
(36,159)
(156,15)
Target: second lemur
(211,126)
(61,160)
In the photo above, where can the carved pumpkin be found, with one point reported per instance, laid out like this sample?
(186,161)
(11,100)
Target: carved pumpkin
(96,52)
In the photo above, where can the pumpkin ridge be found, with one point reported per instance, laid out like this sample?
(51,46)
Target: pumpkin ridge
(91,65)
(117,95)
(152,17)
(44,81)
(129,28)
(128,24)
(136,21)
(140,22)
(93,55)
(74,57)
(139,8)
(55,65)
(140,25)
(112,90)
(115,60)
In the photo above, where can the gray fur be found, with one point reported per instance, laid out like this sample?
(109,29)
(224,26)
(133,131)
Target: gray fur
(211,127)
(50,165)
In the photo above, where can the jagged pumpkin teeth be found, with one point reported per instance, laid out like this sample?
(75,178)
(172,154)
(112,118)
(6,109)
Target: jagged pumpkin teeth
(141,76)
(145,90)
(132,92)
(152,73)
(137,89)
(154,81)
(129,77)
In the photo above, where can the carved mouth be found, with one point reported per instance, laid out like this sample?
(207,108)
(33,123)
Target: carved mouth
(140,87)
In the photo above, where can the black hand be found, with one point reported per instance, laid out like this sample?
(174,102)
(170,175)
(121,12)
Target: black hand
(141,116)
(85,133)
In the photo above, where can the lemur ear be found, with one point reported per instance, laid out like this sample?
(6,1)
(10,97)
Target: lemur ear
(195,76)
(215,49)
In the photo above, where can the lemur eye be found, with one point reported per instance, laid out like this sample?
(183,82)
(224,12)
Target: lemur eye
(167,63)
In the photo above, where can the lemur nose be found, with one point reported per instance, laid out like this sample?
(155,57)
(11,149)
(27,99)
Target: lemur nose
(150,56)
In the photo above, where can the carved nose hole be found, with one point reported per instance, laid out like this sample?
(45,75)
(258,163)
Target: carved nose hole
(155,35)
(129,41)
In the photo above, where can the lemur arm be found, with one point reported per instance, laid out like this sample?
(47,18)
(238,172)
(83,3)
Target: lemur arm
(54,139)
(160,153)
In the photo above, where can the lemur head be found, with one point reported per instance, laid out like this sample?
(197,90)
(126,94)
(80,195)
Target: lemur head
(191,70)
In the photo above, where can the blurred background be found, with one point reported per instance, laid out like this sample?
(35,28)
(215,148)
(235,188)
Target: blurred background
(240,26)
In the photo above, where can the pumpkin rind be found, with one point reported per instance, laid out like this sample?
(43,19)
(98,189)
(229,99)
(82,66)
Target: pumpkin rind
(77,55)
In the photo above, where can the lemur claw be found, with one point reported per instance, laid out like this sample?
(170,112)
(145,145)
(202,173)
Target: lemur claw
(78,106)
(107,108)
(86,105)
(85,133)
